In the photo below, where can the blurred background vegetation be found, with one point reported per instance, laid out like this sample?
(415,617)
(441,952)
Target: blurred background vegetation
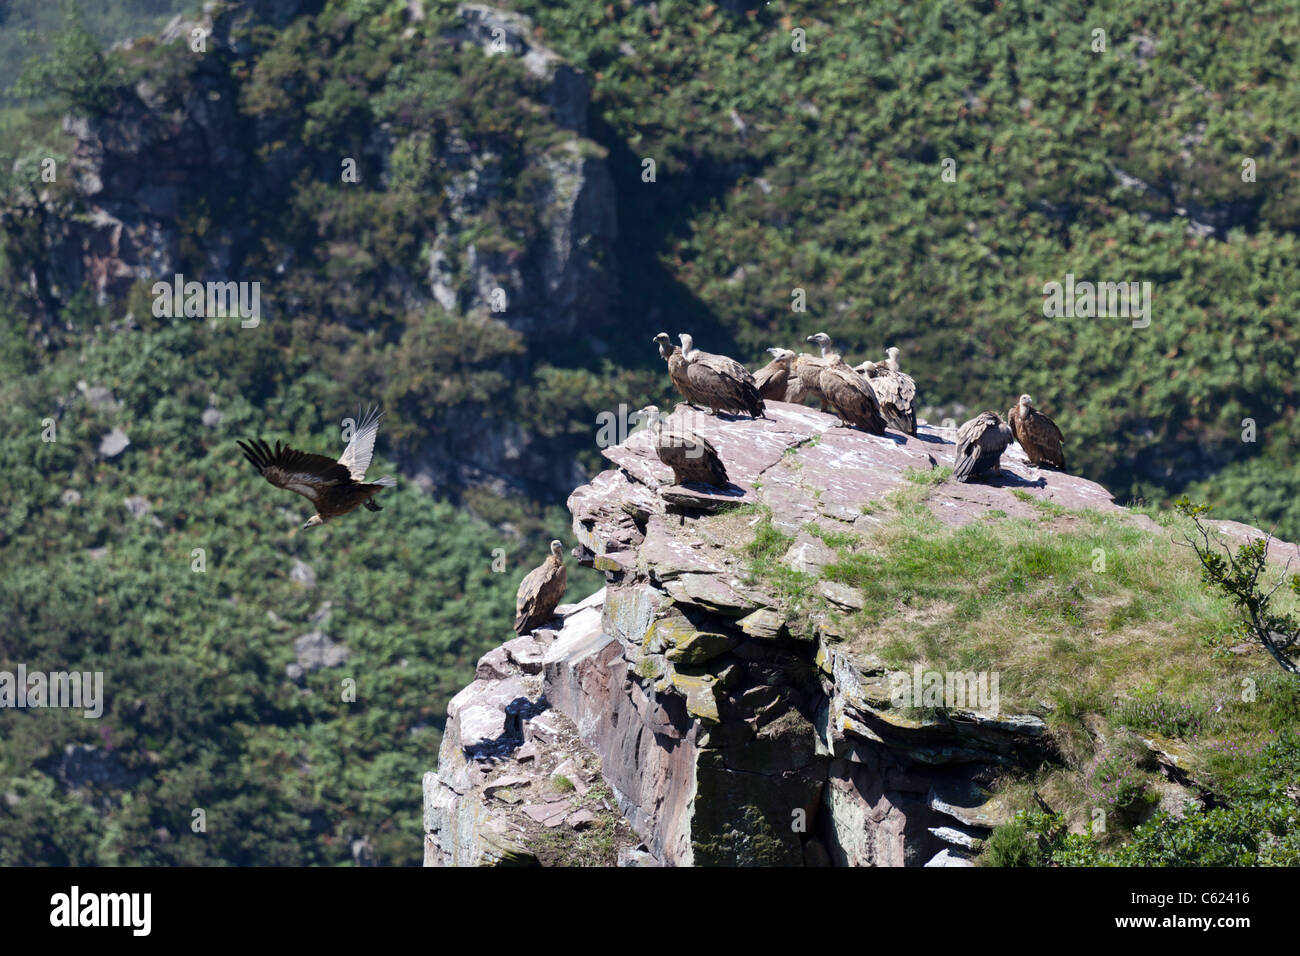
(775,170)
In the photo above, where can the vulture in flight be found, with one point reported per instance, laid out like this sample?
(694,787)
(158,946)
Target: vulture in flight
(846,391)
(722,383)
(1037,434)
(980,443)
(772,380)
(540,591)
(895,390)
(692,457)
(334,487)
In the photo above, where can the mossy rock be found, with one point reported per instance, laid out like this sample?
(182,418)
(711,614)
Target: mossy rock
(700,691)
(699,647)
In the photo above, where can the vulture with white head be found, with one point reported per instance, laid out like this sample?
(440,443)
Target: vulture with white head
(1037,434)
(540,591)
(722,383)
(672,355)
(846,391)
(895,389)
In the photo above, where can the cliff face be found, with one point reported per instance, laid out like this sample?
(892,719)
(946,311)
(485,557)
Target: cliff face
(732,720)
(727,729)
(182,175)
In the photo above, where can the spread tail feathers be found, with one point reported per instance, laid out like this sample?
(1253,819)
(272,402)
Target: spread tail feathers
(388,481)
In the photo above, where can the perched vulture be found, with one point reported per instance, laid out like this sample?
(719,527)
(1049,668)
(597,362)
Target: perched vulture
(804,380)
(677,369)
(721,383)
(540,591)
(980,443)
(895,390)
(846,391)
(1037,434)
(772,380)
(720,362)
(692,457)
(334,487)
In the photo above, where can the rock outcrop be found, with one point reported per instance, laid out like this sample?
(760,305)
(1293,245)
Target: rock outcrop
(176,146)
(729,731)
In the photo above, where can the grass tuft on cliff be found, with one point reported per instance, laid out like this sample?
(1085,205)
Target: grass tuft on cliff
(1101,627)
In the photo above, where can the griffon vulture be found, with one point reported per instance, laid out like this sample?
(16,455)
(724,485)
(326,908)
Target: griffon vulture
(721,383)
(895,389)
(980,443)
(677,370)
(1037,434)
(334,487)
(846,391)
(692,457)
(540,591)
(805,377)
(772,380)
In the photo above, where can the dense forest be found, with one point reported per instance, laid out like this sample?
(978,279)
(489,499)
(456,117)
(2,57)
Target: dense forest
(908,175)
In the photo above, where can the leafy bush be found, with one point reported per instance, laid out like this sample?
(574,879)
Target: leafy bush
(1260,825)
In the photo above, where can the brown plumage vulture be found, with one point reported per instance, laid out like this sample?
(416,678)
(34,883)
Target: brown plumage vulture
(846,391)
(805,377)
(895,390)
(691,456)
(722,383)
(672,355)
(334,487)
(540,591)
(772,380)
(980,444)
(1037,434)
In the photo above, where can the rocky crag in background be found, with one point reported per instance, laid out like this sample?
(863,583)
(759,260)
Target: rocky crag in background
(181,144)
(726,731)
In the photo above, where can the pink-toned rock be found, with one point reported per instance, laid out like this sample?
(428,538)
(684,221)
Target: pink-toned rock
(581,819)
(548,814)
(705,754)
(526,652)
(494,665)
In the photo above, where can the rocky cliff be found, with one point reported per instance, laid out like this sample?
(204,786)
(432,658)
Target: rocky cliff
(725,720)
(180,174)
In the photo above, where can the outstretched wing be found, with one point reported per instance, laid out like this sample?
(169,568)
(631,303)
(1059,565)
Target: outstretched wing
(356,457)
(312,476)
